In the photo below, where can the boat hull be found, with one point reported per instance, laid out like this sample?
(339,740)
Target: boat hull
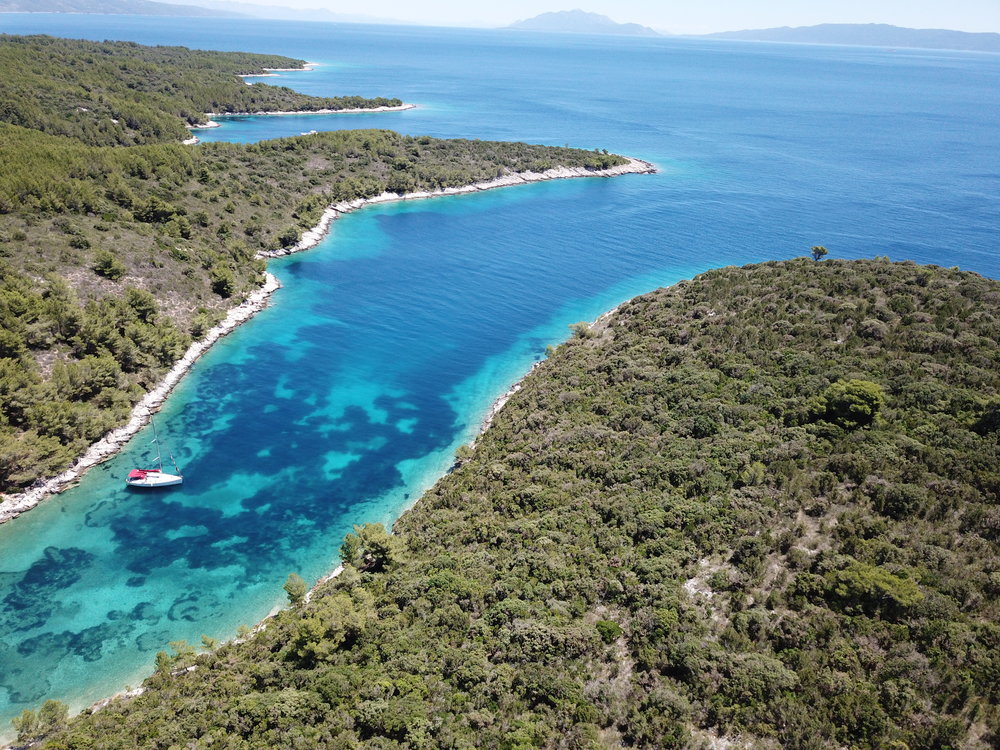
(152,478)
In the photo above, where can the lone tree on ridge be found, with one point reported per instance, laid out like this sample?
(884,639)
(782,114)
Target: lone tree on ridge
(819,251)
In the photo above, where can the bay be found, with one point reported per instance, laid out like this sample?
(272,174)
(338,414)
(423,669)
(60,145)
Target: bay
(381,354)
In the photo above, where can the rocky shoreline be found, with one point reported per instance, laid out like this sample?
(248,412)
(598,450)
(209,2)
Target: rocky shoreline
(276,72)
(13,505)
(495,408)
(352,111)
(317,233)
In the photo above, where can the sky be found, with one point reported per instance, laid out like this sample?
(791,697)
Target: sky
(679,17)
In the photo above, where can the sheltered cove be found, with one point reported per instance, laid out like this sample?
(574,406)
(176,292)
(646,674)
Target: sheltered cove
(276,73)
(16,504)
(211,123)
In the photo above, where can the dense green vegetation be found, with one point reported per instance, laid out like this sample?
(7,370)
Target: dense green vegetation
(113,258)
(122,93)
(761,505)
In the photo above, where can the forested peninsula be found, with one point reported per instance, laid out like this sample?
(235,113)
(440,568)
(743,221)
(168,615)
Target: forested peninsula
(119,246)
(756,509)
(123,93)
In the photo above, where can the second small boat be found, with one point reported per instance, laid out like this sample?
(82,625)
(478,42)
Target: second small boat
(150,478)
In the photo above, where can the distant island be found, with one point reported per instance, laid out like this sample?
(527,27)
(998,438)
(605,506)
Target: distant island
(199,8)
(284,13)
(110,7)
(580,22)
(871,35)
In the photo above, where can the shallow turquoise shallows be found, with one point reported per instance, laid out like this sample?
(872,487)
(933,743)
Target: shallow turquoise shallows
(380,355)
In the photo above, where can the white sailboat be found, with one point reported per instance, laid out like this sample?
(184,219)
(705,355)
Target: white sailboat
(149,478)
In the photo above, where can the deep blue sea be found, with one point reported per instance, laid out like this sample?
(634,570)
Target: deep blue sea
(347,398)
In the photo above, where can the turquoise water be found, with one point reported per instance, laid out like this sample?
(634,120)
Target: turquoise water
(346,398)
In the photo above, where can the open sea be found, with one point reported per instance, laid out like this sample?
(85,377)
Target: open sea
(347,398)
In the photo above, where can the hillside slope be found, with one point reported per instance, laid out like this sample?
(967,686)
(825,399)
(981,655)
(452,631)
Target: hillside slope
(760,505)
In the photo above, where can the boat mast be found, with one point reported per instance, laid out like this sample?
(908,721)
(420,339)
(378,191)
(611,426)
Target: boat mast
(159,456)
(156,441)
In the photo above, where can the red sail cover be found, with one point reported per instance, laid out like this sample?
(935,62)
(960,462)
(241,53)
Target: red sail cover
(137,474)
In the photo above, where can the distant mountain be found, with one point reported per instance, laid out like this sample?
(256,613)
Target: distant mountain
(280,12)
(580,22)
(112,7)
(871,35)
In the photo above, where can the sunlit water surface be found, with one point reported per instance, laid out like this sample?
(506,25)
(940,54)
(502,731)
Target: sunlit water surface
(346,398)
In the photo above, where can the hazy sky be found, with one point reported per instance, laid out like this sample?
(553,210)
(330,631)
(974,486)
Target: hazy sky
(683,17)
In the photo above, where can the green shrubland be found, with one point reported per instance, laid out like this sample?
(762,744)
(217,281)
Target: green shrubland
(760,505)
(122,93)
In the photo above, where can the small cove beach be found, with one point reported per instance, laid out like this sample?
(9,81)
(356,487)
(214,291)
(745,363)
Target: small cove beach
(210,117)
(13,505)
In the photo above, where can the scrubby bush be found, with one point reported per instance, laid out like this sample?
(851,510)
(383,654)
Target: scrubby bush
(852,403)
(108,265)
